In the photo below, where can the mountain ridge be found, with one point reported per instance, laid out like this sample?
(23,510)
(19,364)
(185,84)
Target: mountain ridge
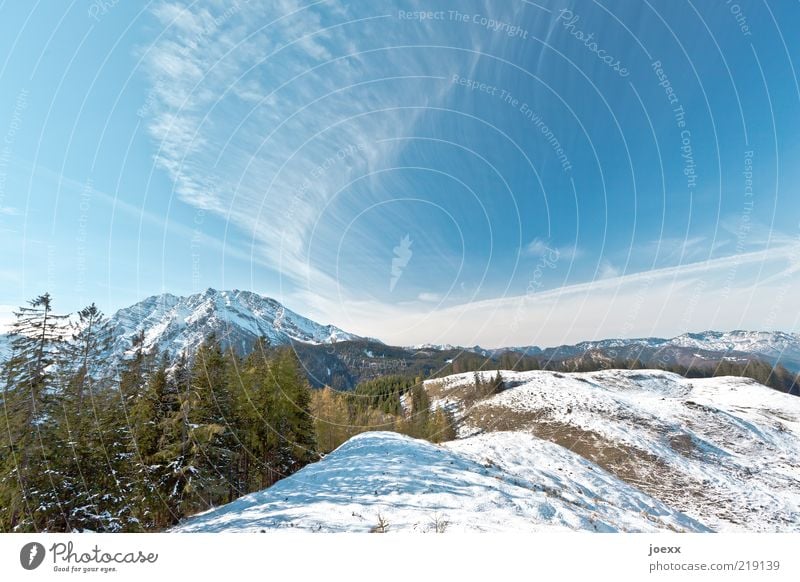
(176,324)
(238,318)
(776,347)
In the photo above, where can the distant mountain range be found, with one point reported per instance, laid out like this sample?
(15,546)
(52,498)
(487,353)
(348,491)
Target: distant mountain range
(774,347)
(341,359)
(771,346)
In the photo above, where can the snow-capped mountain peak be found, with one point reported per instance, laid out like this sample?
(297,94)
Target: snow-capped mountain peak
(236,317)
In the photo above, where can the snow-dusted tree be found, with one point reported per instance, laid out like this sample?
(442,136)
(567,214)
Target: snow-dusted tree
(37,335)
(89,347)
(151,417)
(213,420)
(31,485)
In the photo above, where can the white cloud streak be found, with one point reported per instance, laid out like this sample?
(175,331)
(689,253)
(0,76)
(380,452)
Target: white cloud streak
(723,293)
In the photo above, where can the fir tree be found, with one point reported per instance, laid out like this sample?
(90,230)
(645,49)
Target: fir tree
(212,417)
(31,489)
(296,393)
(85,458)
(147,415)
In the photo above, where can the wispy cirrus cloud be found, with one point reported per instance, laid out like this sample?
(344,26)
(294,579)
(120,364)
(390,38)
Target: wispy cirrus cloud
(289,118)
(262,113)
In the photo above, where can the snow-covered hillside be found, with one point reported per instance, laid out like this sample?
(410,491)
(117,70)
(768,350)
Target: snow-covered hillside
(237,318)
(498,482)
(774,346)
(615,450)
(725,451)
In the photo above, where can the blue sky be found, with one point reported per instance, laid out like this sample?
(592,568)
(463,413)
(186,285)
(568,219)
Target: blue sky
(501,173)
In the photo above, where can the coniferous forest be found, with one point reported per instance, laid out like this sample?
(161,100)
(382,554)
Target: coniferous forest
(140,446)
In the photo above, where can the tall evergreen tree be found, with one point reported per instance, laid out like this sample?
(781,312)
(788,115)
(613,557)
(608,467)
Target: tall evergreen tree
(82,424)
(149,410)
(31,488)
(420,412)
(91,340)
(298,433)
(212,416)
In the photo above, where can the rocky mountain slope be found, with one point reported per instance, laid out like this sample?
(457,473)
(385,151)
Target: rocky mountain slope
(238,318)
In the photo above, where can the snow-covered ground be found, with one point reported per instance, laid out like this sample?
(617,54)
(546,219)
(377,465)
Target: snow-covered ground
(725,451)
(615,450)
(497,482)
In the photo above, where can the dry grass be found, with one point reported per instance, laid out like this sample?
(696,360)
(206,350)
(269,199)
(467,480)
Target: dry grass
(638,468)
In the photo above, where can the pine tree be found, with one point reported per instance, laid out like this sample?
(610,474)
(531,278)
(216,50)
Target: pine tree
(175,445)
(213,421)
(420,412)
(256,394)
(90,343)
(31,490)
(150,409)
(442,426)
(497,384)
(331,419)
(296,438)
(135,371)
(83,453)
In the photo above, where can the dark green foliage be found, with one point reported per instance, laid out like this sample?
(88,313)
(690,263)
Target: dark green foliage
(32,484)
(140,447)
(382,393)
